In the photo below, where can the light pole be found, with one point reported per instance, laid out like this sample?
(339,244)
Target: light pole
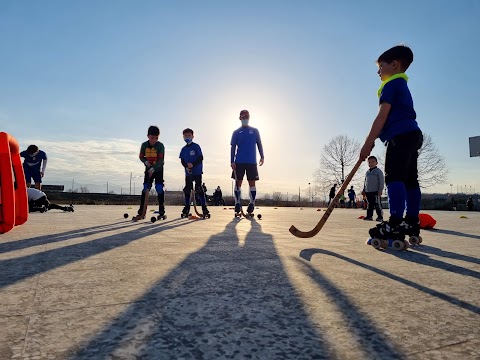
(133,177)
(309,190)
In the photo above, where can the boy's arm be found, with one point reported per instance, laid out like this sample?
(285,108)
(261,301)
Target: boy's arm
(233,149)
(375,130)
(44,166)
(199,159)
(160,157)
(141,156)
(260,149)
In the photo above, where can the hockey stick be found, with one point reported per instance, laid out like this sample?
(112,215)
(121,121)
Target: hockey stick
(323,220)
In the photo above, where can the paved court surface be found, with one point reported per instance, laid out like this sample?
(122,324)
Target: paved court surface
(92,285)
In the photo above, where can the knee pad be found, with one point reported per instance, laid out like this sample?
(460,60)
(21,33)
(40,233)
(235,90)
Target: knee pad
(145,187)
(159,188)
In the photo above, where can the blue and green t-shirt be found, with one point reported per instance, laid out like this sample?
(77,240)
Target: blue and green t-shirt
(402,117)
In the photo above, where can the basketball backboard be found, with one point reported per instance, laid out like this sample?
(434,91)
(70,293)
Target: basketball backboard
(474,146)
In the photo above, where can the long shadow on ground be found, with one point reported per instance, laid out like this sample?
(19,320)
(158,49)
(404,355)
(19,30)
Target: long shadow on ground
(452,232)
(20,268)
(66,235)
(308,253)
(230,299)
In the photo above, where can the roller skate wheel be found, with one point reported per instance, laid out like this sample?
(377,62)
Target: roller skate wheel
(399,245)
(207,216)
(153,219)
(376,243)
(414,240)
(384,243)
(259,216)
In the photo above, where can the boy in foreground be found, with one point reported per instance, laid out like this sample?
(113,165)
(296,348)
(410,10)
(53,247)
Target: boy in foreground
(396,126)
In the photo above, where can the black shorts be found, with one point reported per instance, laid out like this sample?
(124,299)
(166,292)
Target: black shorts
(157,176)
(401,160)
(189,180)
(250,169)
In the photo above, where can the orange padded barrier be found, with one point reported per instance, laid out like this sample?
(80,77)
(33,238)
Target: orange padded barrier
(13,188)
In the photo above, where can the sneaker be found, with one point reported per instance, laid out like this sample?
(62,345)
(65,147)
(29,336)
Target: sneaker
(386,231)
(238,208)
(379,219)
(250,208)
(368,218)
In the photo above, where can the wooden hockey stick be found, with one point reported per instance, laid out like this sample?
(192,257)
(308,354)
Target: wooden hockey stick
(323,220)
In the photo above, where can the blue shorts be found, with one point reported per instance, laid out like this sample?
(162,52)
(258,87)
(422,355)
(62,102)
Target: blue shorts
(30,173)
(250,169)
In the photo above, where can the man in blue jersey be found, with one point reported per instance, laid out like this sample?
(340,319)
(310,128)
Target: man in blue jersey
(34,165)
(243,159)
(192,160)
(396,126)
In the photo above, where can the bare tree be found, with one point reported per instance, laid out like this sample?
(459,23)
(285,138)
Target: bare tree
(338,157)
(431,164)
(84,189)
(277,197)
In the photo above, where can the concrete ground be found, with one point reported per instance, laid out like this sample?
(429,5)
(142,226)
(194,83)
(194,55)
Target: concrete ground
(92,285)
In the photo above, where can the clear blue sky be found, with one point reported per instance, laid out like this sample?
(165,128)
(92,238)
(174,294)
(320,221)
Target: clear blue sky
(85,79)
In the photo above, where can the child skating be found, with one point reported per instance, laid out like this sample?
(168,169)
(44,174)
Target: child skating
(397,128)
(243,159)
(152,155)
(192,160)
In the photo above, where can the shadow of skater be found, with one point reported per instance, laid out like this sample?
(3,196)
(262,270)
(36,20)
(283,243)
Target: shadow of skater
(453,232)
(230,299)
(308,253)
(371,339)
(16,269)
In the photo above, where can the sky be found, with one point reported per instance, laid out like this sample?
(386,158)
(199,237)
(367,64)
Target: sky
(84,79)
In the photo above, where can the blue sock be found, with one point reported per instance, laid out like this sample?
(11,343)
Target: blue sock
(396,198)
(414,197)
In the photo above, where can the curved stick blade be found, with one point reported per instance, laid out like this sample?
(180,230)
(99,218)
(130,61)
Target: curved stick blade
(323,220)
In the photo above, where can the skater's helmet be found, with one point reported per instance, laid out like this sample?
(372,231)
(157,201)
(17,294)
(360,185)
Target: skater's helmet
(244,114)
